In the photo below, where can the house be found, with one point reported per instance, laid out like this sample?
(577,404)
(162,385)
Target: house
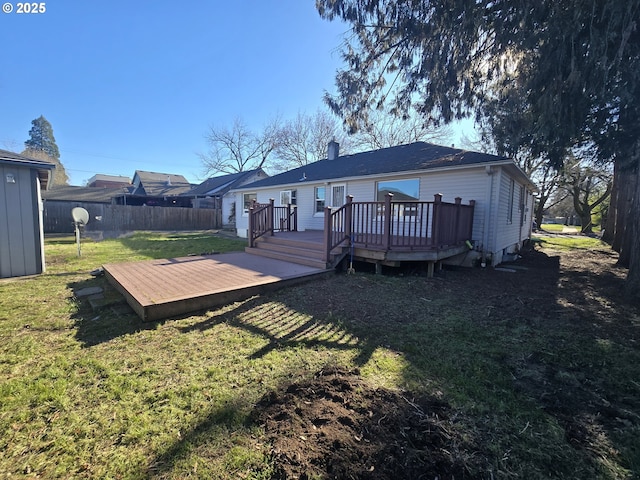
(214,193)
(417,180)
(156,189)
(21,230)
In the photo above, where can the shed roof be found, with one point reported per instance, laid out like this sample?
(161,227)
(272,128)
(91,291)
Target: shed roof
(403,158)
(43,167)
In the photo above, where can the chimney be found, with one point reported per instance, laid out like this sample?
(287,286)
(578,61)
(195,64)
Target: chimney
(333,150)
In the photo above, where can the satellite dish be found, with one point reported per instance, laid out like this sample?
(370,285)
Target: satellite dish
(80,216)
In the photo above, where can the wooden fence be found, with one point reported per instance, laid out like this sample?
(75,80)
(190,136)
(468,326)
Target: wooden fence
(120,218)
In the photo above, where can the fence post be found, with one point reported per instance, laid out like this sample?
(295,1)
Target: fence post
(386,234)
(435,229)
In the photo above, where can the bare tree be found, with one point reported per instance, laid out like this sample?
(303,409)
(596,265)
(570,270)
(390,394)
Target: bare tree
(382,130)
(237,148)
(304,139)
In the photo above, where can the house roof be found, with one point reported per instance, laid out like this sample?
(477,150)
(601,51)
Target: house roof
(154,184)
(44,168)
(109,178)
(81,194)
(222,184)
(403,158)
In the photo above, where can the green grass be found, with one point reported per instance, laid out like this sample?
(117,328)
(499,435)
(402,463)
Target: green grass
(88,394)
(569,242)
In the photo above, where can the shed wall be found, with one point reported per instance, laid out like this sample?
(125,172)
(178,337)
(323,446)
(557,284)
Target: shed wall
(20,237)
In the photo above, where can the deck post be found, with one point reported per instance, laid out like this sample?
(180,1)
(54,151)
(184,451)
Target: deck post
(251,224)
(435,228)
(348,216)
(328,233)
(386,234)
(458,201)
(270,216)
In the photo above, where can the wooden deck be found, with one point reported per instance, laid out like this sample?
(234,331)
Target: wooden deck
(158,289)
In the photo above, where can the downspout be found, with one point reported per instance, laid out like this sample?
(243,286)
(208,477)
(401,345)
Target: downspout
(487,214)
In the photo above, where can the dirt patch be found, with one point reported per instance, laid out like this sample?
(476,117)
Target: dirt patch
(336,426)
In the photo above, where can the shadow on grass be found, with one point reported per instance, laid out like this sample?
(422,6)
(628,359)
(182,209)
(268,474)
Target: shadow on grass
(287,326)
(524,343)
(110,319)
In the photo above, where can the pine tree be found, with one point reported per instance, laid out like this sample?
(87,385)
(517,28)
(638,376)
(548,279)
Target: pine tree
(41,145)
(41,138)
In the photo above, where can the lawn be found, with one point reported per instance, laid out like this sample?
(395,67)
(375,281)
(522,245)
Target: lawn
(534,374)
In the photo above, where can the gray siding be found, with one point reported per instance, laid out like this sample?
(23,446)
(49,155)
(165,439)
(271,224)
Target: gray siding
(20,237)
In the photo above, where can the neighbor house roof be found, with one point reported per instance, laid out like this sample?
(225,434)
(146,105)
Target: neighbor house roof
(117,179)
(81,194)
(222,184)
(154,184)
(403,158)
(44,168)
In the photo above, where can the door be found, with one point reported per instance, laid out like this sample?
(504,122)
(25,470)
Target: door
(338,195)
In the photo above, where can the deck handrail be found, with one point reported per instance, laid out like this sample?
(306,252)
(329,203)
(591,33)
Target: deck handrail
(337,226)
(414,225)
(267,218)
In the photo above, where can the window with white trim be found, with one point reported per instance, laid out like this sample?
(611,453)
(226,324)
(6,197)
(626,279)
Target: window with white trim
(320,196)
(288,197)
(247,200)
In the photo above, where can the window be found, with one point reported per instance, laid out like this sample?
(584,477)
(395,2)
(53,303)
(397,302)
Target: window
(510,206)
(247,200)
(288,197)
(320,195)
(403,190)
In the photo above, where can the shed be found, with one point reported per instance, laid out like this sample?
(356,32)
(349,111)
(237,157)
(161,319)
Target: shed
(21,229)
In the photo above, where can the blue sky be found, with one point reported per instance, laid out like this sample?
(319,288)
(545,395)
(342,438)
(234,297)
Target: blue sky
(135,85)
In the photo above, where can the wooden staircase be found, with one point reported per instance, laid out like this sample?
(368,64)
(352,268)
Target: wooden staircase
(300,251)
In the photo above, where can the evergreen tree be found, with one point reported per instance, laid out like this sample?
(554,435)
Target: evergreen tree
(41,145)
(41,138)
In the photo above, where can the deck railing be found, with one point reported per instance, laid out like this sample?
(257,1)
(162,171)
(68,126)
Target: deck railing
(392,225)
(386,225)
(265,218)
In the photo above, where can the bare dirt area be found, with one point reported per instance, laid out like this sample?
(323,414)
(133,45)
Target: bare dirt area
(337,426)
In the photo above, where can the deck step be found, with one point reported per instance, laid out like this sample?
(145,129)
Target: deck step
(310,250)
(291,242)
(300,260)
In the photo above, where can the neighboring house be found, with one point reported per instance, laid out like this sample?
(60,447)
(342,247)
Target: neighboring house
(21,229)
(214,193)
(503,194)
(156,190)
(108,181)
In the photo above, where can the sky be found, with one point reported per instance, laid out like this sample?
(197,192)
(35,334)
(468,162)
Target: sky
(133,86)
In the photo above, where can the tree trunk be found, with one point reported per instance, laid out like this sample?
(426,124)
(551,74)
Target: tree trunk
(623,239)
(610,226)
(632,287)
